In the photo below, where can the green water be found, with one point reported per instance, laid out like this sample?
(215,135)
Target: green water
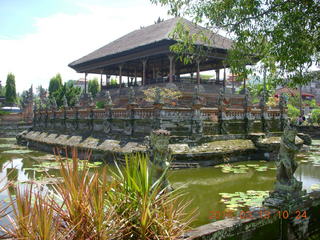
(202,185)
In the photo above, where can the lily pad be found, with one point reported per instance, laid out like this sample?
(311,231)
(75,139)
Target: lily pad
(315,187)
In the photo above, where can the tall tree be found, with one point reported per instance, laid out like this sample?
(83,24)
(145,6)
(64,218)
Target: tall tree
(93,87)
(69,91)
(55,84)
(11,94)
(283,34)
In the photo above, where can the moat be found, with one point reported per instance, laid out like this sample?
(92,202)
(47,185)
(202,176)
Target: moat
(204,186)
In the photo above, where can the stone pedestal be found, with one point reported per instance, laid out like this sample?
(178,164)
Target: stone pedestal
(160,155)
(288,194)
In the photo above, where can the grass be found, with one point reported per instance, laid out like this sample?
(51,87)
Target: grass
(125,204)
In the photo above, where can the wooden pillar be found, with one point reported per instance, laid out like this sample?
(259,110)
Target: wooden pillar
(232,76)
(108,79)
(101,80)
(144,64)
(217,75)
(224,78)
(171,68)
(120,75)
(153,72)
(135,77)
(198,71)
(85,82)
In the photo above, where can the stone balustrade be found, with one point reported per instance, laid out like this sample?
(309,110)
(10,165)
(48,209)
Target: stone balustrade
(134,120)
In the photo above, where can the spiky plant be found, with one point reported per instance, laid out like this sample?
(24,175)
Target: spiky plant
(85,210)
(32,217)
(151,210)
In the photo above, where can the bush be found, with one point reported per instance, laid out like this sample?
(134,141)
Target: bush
(315,116)
(293,113)
(100,104)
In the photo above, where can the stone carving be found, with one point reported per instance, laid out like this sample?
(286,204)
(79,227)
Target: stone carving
(108,99)
(287,188)
(222,126)
(286,164)
(54,103)
(106,126)
(132,96)
(247,100)
(77,102)
(262,105)
(91,101)
(196,99)
(158,98)
(160,154)
(221,98)
(65,102)
(247,116)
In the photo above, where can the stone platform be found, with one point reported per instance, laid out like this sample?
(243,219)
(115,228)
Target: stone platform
(216,150)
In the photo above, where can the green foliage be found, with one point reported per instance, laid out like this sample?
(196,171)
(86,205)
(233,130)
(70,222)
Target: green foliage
(293,112)
(315,116)
(93,87)
(126,205)
(113,81)
(284,35)
(55,84)
(100,104)
(41,91)
(168,95)
(151,210)
(69,91)
(10,94)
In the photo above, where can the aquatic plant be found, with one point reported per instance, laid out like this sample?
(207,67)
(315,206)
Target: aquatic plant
(94,205)
(239,200)
(152,212)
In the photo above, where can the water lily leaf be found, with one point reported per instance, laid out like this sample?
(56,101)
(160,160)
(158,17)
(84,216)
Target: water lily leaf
(315,187)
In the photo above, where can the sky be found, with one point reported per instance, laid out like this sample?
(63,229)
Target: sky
(39,38)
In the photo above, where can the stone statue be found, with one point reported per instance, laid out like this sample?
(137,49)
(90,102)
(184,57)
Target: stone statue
(158,98)
(286,165)
(132,96)
(77,101)
(262,102)
(30,93)
(65,102)
(196,99)
(35,107)
(91,102)
(40,105)
(221,98)
(247,99)
(160,154)
(108,99)
(288,190)
(54,103)
(222,126)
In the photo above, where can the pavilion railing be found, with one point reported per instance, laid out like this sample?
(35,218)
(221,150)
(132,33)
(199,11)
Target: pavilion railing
(194,118)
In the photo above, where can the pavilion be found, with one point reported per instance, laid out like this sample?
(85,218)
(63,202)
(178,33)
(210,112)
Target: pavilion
(145,54)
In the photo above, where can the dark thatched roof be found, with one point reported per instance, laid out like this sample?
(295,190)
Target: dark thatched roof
(150,35)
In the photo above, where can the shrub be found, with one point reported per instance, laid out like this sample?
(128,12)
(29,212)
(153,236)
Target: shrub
(315,116)
(100,104)
(293,113)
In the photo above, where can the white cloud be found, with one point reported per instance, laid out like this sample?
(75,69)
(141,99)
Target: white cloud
(61,39)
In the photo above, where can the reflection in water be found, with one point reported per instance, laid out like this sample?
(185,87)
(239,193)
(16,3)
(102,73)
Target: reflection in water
(202,185)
